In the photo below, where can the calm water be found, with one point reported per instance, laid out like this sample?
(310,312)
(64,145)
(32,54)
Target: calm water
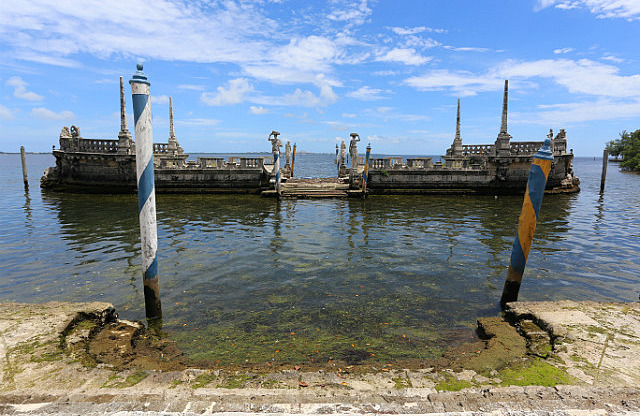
(250,278)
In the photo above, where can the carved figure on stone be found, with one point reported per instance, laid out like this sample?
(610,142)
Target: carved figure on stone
(550,135)
(65,138)
(276,144)
(343,153)
(75,132)
(353,149)
(287,152)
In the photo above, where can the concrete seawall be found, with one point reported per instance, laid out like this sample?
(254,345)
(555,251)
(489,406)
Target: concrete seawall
(557,357)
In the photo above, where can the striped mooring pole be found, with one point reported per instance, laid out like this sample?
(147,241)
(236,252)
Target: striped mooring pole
(293,159)
(365,175)
(23,159)
(275,148)
(538,174)
(140,91)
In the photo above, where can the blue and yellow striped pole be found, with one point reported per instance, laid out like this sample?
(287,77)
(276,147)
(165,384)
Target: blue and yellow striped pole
(538,174)
(293,159)
(365,175)
(140,91)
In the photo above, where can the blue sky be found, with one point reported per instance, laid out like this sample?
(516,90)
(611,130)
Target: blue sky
(319,70)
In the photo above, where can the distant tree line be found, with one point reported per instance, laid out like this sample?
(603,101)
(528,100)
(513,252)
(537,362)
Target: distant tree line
(627,147)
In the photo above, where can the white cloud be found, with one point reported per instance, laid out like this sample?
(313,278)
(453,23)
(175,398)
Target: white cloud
(348,115)
(44,113)
(407,56)
(353,12)
(603,9)
(415,30)
(198,122)
(585,111)
(6,113)
(460,83)
(159,99)
(20,90)
(258,110)
(234,93)
(163,29)
(191,87)
(562,50)
(466,49)
(367,94)
(578,77)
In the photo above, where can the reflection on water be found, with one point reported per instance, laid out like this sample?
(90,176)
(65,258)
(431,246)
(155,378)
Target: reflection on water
(250,278)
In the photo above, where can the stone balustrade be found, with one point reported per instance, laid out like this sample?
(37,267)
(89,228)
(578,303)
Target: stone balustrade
(525,148)
(160,148)
(98,146)
(477,149)
(420,162)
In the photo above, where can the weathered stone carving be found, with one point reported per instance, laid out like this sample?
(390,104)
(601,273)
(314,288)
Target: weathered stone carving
(353,149)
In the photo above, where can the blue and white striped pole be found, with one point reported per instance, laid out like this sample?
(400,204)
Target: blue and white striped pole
(538,174)
(140,90)
(275,148)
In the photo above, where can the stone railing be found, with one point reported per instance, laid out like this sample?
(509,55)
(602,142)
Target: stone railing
(525,148)
(392,162)
(234,160)
(267,160)
(159,148)
(211,162)
(376,163)
(477,149)
(251,162)
(420,162)
(98,146)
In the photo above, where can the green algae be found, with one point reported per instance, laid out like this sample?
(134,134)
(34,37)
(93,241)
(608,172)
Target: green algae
(402,382)
(535,372)
(131,380)
(452,383)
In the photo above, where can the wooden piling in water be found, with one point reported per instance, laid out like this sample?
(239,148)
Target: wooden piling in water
(25,178)
(605,159)
(538,174)
(140,91)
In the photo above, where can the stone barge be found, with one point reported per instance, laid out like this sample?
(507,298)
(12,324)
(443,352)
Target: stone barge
(108,166)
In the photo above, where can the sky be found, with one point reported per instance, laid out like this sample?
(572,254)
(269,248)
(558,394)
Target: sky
(316,71)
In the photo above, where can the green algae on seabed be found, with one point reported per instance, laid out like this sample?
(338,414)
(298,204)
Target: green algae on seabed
(353,328)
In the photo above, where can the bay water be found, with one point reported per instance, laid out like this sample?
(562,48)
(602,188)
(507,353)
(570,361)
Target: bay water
(251,279)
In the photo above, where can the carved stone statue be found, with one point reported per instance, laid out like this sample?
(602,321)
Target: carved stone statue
(276,144)
(343,153)
(550,135)
(75,132)
(287,152)
(353,149)
(65,132)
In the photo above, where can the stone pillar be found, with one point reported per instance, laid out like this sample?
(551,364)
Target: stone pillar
(124,137)
(503,144)
(456,147)
(173,142)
